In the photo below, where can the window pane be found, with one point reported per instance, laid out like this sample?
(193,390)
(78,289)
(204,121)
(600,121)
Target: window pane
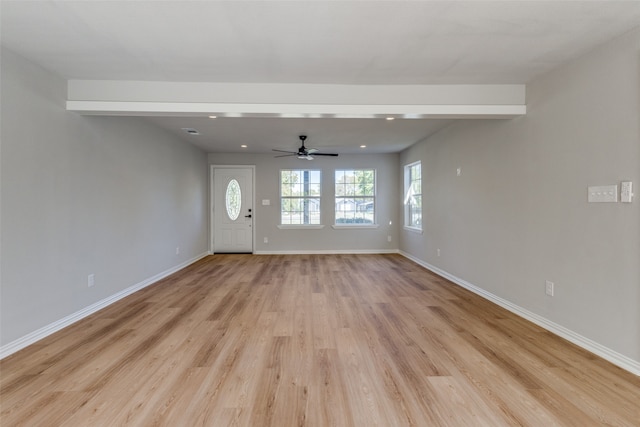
(314,189)
(315,177)
(300,192)
(413,195)
(355,196)
(233,199)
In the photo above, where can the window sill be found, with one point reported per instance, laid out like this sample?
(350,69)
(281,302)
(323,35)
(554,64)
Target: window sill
(413,229)
(300,226)
(353,226)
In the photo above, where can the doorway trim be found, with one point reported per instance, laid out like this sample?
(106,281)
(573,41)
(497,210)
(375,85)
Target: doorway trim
(212,202)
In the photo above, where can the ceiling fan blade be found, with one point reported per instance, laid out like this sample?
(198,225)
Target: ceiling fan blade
(312,150)
(326,154)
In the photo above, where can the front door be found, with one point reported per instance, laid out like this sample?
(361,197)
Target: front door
(233,210)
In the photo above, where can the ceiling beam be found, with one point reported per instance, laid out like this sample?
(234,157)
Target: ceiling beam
(187,109)
(199,99)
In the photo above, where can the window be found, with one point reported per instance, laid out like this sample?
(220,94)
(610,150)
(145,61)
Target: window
(300,197)
(355,196)
(233,199)
(413,195)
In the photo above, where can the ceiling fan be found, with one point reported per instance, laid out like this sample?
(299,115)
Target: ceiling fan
(304,152)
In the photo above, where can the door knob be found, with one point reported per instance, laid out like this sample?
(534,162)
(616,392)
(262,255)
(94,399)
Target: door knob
(248,216)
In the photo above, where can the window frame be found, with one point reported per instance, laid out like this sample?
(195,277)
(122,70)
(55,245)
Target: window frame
(374,220)
(408,182)
(302,197)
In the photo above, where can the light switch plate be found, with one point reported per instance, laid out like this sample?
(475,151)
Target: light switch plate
(266,202)
(626,192)
(603,194)
(549,288)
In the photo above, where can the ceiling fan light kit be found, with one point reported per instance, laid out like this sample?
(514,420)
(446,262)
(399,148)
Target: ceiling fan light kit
(304,152)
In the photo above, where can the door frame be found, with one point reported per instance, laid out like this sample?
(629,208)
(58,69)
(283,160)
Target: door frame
(212,202)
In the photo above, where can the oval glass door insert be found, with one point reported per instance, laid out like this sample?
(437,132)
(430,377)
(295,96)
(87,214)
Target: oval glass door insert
(233,199)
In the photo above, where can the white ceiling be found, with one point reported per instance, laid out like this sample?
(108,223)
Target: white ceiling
(322,42)
(344,136)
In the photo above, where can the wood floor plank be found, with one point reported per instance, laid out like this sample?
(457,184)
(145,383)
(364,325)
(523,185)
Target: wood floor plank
(310,340)
(370,407)
(470,409)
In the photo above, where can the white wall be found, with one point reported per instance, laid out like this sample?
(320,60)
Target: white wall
(327,239)
(518,215)
(111,196)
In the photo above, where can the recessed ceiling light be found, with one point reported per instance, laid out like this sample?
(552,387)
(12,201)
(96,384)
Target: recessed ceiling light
(213,117)
(243,146)
(390,118)
(363,146)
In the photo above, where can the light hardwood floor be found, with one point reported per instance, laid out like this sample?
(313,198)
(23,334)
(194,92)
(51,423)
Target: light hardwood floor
(316,340)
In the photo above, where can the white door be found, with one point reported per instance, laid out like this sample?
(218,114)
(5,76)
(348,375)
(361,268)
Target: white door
(233,210)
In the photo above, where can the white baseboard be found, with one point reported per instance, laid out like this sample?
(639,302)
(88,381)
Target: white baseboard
(606,353)
(20,343)
(330,252)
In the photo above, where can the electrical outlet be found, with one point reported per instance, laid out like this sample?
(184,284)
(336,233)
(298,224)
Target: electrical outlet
(388,238)
(458,171)
(548,289)
(266,240)
(178,250)
(91,280)
(438,251)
